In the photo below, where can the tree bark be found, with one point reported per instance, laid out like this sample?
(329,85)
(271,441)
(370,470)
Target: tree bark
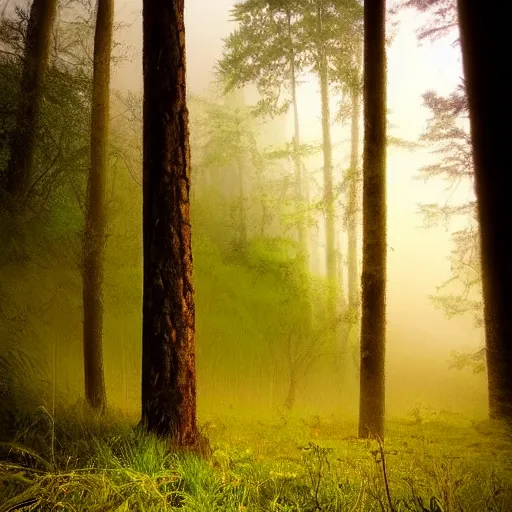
(95,224)
(482,35)
(23,139)
(373,326)
(353,202)
(330,234)
(168,338)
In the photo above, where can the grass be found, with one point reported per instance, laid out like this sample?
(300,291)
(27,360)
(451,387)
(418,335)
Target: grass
(83,463)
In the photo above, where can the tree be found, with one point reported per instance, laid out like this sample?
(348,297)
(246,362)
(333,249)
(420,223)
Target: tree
(60,161)
(275,42)
(443,16)
(332,30)
(322,66)
(230,159)
(23,139)
(353,197)
(482,33)
(95,222)
(168,332)
(266,50)
(448,134)
(467,262)
(373,324)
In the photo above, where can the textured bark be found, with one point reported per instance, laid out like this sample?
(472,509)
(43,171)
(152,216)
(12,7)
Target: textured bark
(483,33)
(95,223)
(353,202)
(330,233)
(168,347)
(23,139)
(373,325)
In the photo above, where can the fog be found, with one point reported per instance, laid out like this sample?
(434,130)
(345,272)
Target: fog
(420,339)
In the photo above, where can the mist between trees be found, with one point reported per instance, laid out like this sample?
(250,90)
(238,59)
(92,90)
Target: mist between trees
(176,257)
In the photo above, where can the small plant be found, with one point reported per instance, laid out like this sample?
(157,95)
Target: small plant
(316,460)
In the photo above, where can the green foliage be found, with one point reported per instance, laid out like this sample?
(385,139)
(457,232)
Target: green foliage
(274,38)
(475,361)
(61,161)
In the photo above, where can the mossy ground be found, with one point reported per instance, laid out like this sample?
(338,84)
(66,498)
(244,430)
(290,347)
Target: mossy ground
(283,463)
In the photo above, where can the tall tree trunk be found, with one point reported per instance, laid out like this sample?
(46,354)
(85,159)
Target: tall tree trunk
(168,337)
(23,139)
(330,233)
(353,200)
(373,325)
(95,223)
(302,231)
(302,201)
(482,34)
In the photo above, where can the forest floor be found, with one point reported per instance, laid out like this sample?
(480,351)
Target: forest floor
(443,464)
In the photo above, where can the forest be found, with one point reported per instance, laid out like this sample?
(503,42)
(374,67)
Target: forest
(214,293)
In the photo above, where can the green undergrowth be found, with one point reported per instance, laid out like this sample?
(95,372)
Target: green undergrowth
(78,462)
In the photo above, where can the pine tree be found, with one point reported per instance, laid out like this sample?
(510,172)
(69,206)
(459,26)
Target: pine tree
(168,337)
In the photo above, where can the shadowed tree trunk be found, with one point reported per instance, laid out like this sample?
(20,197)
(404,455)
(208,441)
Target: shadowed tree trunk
(373,324)
(23,139)
(168,337)
(95,223)
(483,33)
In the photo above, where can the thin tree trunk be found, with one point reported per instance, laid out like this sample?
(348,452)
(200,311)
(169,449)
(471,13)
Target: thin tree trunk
(482,35)
(237,100)
(302,202)
(291,396)
(242,217)
(168,348)
(302,231)
(353,201)
(292,382)
(330,234)
(373,325)
(23,139)
(95,223)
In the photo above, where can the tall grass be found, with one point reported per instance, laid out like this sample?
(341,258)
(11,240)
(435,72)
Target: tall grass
(60,456)
(102,463)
